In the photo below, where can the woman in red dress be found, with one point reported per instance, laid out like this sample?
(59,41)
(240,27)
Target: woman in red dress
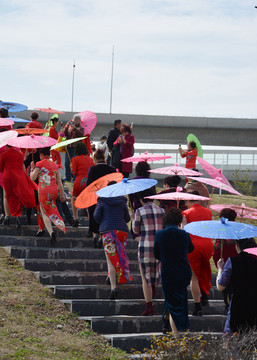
(54,134)
(18,187)
(190,154)
(80,165)
(49,182)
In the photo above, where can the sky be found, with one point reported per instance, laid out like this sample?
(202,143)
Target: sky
(176,57)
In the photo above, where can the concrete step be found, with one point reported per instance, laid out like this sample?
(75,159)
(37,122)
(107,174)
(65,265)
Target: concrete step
(142,341)
(126,291)
(130,307)
(70,265)
(69,241)
(20,252)
(31,230)
(141,324)
(76,278)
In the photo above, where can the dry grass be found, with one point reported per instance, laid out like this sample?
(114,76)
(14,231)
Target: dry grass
(35,325)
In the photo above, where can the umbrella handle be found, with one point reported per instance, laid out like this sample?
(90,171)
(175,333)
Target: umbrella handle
(67,152)
(221,248)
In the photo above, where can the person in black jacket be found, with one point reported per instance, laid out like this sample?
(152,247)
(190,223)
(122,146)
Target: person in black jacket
(114,151)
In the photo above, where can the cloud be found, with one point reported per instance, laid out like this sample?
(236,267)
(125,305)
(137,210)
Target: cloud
(171,57)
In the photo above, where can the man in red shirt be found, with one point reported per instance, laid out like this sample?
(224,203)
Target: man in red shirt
(34,123)
(199,259)
(190,154)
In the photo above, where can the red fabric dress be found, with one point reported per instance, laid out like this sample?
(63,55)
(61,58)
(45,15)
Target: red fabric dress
(48,192)
(80,167)
(199,259)
(126,151)
(34,125)
(17,185)
(190,158)
(55,154)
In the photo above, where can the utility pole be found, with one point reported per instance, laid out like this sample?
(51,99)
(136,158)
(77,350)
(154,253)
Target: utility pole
(72,89)
(111,79)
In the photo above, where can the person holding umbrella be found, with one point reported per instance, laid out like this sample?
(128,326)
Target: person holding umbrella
(50,183)
(199,259)
(33,121)
(190,154)
(54,134)
(239,273)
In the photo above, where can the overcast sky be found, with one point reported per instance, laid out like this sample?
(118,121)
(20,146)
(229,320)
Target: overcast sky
(176,57)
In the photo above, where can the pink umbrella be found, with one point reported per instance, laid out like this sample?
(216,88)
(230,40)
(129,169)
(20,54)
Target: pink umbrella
(88,121)
(252,251)
(212,171)
(146,157)
(176,170)
(6,135)
(241,211)
(32,142)
(178,196)
(216,183)
(6,122)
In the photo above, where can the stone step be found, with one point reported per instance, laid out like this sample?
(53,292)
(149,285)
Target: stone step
(142,341)
(76,278)
(141,324)
(69,241)
(125,291)
(31,230)
(71,265)
(20,252)
(130,307)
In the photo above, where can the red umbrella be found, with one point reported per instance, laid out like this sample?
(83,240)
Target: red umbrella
(146,157)
(176,170)
(212,171)
(241,210)
(178,196)
(29,131)
(31,142)
(88,121)
(50,110)
(216,183)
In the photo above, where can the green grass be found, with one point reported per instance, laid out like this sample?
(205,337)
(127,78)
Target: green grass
(35,325)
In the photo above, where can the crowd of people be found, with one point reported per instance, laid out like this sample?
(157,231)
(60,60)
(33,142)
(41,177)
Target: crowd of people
(167,254)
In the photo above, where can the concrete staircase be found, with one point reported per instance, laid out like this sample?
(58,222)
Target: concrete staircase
(76,272)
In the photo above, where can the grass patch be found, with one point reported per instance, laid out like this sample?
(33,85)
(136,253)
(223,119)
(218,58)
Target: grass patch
(35,325)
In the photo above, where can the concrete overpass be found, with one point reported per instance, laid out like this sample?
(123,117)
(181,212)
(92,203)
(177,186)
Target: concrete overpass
(174,129)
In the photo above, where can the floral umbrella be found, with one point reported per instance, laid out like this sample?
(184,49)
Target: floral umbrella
(6,122)
(176,170)
(88,196)
(88,121)
(252,251)
(31,142)
(212,171)
(29,131)
(178,196)
(146,157)
(50,110)
(216,183)
(13,107)
(126,187)
(241,211)
(7,135)
(192,137)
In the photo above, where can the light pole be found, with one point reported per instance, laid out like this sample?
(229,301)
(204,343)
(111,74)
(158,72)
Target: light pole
(72,87)
(111,80)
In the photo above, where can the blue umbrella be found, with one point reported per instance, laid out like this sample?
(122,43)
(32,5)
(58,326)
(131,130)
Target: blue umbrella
(221,229)
(13,107)
(126,187)
(18,120)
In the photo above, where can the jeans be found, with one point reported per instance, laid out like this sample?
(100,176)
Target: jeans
(71,152)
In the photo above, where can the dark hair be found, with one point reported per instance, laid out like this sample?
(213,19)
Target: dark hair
(81,149)
(99,155)
(246,243)
(45,151)
(228,213)
(141,195)
(192,144)
(126,128)
(116,122)
(173,216)
(4,113)
(103,138)
(172,181)
(112,183)
(55,119)
(194,192)
(142,169)
(34,115)
(2,129)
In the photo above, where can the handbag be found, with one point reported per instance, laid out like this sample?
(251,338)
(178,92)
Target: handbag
(116,157)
